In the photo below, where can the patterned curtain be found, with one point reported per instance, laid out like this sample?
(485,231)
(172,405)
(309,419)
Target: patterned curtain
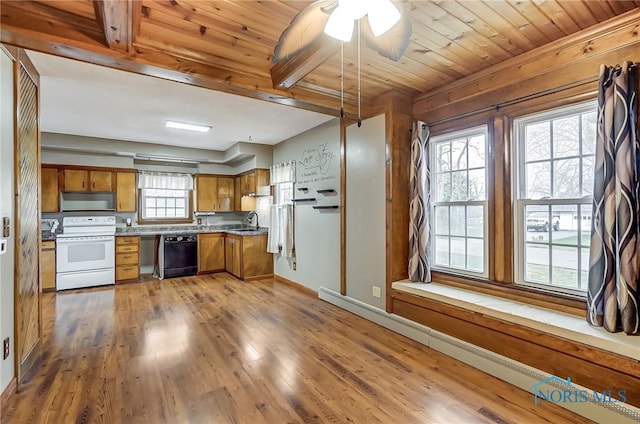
(614,264)
(419,206)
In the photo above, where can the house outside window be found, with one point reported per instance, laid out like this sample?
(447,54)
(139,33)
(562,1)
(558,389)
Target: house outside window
(459,201)
(554,159)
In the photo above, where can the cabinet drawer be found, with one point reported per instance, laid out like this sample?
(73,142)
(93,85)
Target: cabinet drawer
(127,240)
(127,248)
(48,245)
(127,259)
(127,272)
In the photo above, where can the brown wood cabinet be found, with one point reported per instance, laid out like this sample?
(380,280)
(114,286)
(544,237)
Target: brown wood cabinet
(237,198)
(50,192)
(206,192)
(211,252)
(127,258)
(126,191)
(247,257)
(225,194)
(233,247)
(48,265)
(248,184)
(88,180)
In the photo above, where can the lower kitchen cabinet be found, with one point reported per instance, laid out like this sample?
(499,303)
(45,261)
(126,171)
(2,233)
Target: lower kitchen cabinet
(211,251)
(48,265)
(247,257)
(127,258)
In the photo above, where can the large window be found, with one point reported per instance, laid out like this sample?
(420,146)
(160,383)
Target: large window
(459,201)
(554,162)
(165,196)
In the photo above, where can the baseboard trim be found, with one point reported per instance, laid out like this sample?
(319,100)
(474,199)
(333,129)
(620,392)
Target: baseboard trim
(295,285)
(258,277)
(506,369)
(8,392)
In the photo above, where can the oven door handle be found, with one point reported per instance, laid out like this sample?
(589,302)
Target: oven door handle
(91,239)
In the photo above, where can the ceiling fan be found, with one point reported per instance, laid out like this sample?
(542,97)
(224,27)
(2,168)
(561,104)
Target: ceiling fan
(379,22)
(382,26)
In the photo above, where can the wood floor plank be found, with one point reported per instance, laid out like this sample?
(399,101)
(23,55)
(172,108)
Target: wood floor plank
(215,349)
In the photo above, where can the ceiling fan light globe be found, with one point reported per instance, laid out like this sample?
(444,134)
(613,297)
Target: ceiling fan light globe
(355,9)
(339,25)
(383,15)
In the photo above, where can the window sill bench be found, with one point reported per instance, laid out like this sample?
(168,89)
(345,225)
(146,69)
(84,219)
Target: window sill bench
(556,323)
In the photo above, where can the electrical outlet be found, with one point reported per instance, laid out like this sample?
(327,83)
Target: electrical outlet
(5,349)
(376,292)
(294,265)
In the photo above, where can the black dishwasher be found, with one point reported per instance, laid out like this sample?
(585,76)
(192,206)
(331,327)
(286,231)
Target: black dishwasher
(180,255)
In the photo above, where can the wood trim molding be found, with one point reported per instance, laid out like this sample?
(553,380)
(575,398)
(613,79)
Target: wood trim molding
(258,277)
(297,286)
(572,60)
(343,206)
(586,365)
(561,303)
(8,391)
(114,19)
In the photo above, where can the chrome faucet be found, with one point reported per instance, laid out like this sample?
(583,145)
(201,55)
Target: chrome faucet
(251,215)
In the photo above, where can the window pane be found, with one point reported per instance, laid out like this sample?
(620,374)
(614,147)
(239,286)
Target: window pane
(537,223)
(566,178)
(536,263)
(443,157)
(442,220)
(443,187)
(475,258)
(459,186)
(476,184)
(161,202)
(588,132)
(565,266)
(565,224)
(171,203)
(538,178)
(459,154)
(180,203)
(566,137)
(457,221)
(537,139)
(458,252)
(442,251)
(587,176)
(150,213)
(170,213)
(475,221)
(585,227)
(151,202)
(477,151)
(584,267)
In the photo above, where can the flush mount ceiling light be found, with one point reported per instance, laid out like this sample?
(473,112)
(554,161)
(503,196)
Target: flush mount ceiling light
(188,127)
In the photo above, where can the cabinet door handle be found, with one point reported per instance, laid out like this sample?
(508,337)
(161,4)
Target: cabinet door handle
(119,205)
(93,185)
(83,184)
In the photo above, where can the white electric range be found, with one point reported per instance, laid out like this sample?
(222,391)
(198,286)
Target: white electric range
(85,254)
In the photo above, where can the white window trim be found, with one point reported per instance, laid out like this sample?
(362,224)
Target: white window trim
(485,203)
(518,190)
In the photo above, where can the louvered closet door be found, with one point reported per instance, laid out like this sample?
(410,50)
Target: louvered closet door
(27,218)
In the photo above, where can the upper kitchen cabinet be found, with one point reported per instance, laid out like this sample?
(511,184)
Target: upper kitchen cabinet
(237,198)
(87,180)
(225,194)
(126,191)
(50,192)
(206,193)
(255,183)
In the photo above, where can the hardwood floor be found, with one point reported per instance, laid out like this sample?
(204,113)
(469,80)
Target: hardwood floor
(213,349)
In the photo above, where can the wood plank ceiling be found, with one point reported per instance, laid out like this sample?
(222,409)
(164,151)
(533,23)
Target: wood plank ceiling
(228,45)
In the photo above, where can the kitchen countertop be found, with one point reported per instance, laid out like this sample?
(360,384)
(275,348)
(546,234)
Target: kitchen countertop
(168,230)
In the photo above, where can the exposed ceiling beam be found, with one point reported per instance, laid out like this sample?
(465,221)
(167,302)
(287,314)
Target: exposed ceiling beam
(287,73)
(74,45)
(115,20)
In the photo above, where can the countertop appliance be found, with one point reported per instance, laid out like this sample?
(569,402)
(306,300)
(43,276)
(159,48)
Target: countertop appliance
(178,255)
(85,254)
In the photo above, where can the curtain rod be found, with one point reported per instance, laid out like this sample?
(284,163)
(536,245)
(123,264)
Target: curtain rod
(523,98)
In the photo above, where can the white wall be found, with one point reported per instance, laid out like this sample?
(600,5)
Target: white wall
(317,234)
(7,370)
(365,211)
